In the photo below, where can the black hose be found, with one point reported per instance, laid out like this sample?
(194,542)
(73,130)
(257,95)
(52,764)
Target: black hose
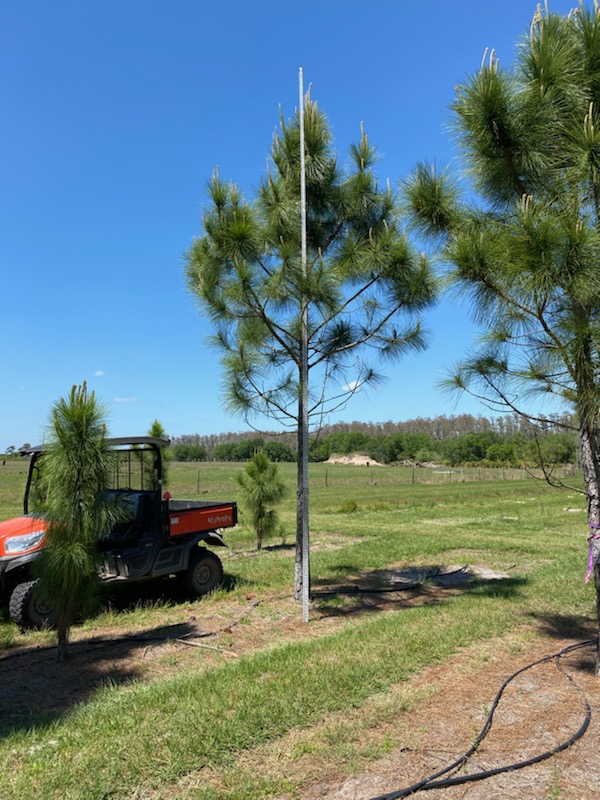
(431,783)
(360,590)
(397,587)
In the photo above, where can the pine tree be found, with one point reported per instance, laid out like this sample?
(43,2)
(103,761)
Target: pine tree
(356,300)
(157,430)
(261,488)
(75,470)
(528,253)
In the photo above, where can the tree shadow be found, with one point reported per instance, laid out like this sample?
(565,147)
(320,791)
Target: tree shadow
(571,626)
(382,589)
(566,626)
(283,546)
(168,592)
(35,689)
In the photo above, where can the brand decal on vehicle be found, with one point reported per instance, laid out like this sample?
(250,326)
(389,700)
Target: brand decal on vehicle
(219,520)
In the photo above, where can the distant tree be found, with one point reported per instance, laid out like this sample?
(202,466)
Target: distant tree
(318,449)
(188,452)
(245,449)
(198,452)
(181,451)
(76,469)
(224,451)
(501,454)
(405,446)
(348,442)
(261,489)
(470,448)
(375,450)
(157,430)
(10,450)
(560,448)
(528,253)
(278,451)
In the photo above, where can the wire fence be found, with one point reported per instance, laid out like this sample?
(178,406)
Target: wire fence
(330,474)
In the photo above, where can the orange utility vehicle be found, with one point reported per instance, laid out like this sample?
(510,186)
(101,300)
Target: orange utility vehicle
(155,537)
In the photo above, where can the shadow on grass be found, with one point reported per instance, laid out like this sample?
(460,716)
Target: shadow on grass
(378,590)
(274,548)
(36,690)
(282,547)
(572,626)
(566,626)
(165,593)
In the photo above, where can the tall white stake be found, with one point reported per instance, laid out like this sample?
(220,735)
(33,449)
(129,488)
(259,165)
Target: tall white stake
(303,410)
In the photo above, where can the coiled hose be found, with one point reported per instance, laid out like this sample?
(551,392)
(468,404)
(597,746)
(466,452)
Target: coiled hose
(432,782)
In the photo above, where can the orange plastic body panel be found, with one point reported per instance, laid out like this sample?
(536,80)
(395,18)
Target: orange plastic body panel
(196,520)
(21,526)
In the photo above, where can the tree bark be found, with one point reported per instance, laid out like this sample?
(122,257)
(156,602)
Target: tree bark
(62,647)
(302,512)
(591,474)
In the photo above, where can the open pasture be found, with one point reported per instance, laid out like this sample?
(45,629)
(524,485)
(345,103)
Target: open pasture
(234,697)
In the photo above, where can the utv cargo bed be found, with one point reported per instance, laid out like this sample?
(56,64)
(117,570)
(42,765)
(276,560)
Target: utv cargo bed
(197,516)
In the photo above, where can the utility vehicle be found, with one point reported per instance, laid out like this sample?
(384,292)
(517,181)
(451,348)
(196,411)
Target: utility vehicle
(155,537)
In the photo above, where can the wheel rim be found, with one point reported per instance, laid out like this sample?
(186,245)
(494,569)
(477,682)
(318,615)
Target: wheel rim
(41,608)
(203,574)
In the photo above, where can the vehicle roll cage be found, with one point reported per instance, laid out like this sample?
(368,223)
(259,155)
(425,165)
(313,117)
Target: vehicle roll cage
(132,444)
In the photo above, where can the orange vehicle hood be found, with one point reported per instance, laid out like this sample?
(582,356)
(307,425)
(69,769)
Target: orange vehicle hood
(21,526)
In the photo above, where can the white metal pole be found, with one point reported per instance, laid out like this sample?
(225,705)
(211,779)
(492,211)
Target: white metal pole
(304,368)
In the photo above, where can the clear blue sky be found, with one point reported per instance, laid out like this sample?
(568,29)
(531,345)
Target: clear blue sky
(115,113)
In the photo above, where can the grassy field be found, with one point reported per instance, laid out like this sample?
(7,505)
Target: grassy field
(142,738)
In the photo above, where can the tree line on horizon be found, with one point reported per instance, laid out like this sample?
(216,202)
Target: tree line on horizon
(463,439)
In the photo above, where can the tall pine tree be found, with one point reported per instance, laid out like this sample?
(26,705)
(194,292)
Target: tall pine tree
(357,298)
(528,253)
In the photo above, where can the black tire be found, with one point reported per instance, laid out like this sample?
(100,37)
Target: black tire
(27,610)
(205,572)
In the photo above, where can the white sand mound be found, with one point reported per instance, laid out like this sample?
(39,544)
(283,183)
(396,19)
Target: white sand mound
(357,459)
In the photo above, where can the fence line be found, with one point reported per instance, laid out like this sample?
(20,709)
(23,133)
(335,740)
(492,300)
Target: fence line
(330,474)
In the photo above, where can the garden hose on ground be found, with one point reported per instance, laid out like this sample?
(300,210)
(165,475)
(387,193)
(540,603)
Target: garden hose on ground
(432,782)
(396,587)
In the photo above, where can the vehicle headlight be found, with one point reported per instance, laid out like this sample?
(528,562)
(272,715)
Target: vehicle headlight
(19,544)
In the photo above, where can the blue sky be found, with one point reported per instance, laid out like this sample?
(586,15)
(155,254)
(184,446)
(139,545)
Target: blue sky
(116,112)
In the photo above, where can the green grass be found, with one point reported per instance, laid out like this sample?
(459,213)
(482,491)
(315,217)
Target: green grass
(149,736)
(234,707)
(13,474)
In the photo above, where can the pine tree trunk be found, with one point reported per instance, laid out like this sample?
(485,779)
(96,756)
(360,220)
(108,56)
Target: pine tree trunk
(301,506)
(591,474)
(62,647)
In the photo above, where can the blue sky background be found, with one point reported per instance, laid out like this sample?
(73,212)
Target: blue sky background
(114,115)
